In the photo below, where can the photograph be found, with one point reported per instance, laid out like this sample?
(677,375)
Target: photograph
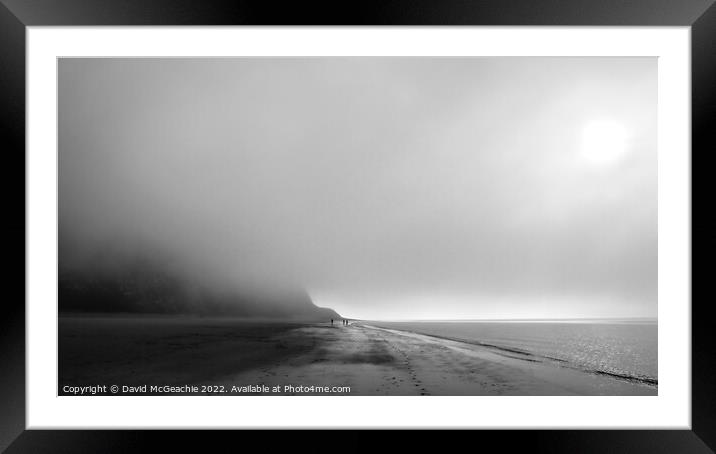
(429,218)
(357,226)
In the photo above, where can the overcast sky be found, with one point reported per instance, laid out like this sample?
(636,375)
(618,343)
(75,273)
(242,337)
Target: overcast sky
(387,187)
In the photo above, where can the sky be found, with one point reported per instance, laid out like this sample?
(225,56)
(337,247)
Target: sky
(388,188)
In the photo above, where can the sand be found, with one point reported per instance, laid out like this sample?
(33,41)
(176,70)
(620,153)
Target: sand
(377,361)
(366,359)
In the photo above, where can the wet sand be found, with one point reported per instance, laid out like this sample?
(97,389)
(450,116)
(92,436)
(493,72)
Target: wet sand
(369,360)
(377,361)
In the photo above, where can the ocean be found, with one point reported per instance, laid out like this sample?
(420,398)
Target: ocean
(625,349)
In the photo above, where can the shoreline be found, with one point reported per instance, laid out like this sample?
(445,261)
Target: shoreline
(527,356)
(366,360)
(394,362)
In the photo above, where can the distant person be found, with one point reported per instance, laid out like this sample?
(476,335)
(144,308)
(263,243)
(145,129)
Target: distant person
(331,322)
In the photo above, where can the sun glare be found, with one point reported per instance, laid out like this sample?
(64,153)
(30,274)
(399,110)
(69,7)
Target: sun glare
(603,142)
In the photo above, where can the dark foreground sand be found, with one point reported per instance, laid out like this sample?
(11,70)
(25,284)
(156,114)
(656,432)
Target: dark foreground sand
(369,360)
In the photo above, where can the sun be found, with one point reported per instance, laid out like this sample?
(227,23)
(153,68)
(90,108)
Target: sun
(604,142)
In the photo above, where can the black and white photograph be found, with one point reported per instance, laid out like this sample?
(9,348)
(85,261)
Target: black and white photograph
(357,226)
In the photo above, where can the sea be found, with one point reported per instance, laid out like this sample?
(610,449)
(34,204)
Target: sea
(623,349)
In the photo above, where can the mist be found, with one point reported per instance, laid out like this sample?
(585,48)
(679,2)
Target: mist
(383,188)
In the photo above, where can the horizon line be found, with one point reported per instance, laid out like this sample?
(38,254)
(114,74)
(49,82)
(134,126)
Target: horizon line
(510,319)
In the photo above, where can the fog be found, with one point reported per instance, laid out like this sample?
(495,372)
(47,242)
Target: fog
(387,188)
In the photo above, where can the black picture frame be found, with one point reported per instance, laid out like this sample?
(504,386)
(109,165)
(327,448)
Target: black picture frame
(16,15)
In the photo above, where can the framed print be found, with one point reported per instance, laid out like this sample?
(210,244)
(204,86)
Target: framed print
(406,217)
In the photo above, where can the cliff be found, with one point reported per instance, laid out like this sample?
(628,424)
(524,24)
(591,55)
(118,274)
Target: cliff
(150,291)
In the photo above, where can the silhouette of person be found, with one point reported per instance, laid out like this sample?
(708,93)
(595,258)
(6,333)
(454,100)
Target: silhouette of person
(331,322)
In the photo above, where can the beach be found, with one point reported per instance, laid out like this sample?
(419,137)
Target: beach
(269,358)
